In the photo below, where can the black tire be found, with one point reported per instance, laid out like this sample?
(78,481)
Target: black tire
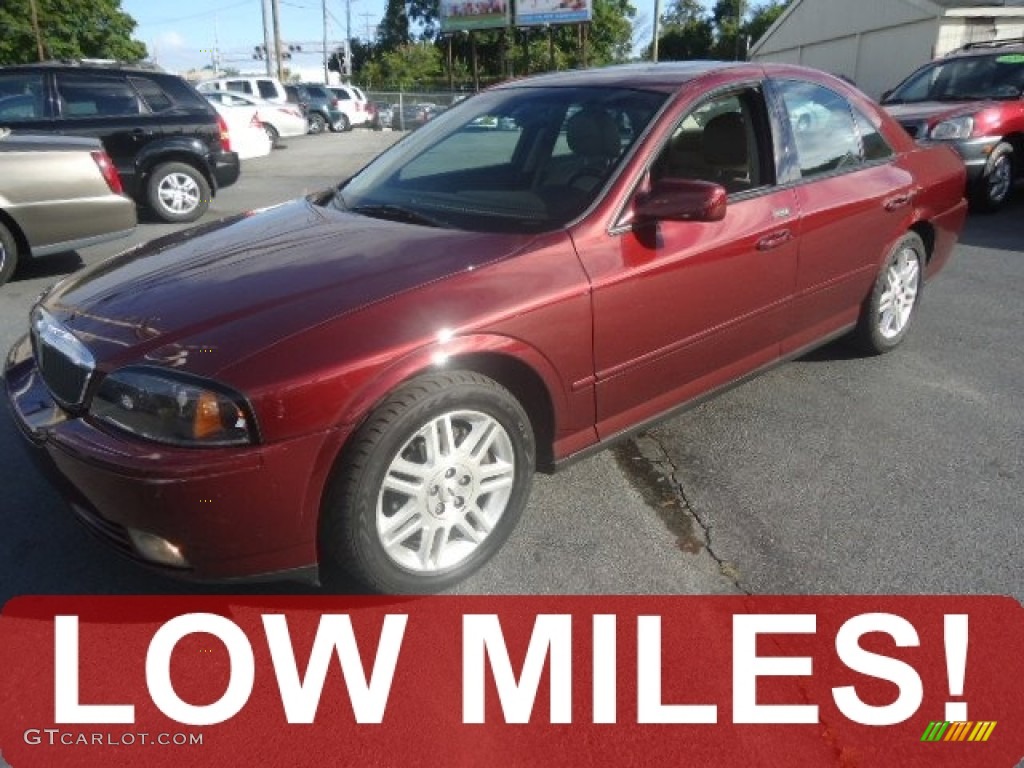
(317,123)
(993,189)
(177,192)
(8,254)
(341,125)
(434,515)
(890,309)
(272,134)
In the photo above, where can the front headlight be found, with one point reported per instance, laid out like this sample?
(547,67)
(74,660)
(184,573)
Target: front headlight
(954,128)
(169,407)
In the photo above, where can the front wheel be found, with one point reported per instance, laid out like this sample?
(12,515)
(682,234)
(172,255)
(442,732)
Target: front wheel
(992,190)
(431,487)
(177,192)
(886,317)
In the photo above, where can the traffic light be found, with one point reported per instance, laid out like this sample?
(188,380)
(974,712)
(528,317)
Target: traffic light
(259,52)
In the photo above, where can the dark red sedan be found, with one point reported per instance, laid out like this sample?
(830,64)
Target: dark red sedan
(362,383)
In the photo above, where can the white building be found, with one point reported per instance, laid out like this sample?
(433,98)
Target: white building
(876,43)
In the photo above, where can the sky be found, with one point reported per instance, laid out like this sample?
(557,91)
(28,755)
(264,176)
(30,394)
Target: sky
(182,34)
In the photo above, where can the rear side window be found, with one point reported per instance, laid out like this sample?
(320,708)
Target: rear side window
(822,126)
(22,97)
(241,86)
(179,92)
(342,94)
(875,146)
(152,94)
(267,89)
(86,95)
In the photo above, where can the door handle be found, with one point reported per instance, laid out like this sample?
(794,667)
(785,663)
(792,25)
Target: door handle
(898,201)
(774,240)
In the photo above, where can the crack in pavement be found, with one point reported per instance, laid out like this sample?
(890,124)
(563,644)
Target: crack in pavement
(651,471)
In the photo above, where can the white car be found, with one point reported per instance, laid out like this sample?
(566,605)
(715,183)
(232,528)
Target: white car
(279,120)
(352,102)
(269,88)
(248,138)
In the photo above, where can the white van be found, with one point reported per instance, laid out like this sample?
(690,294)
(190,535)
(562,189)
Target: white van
(267,88)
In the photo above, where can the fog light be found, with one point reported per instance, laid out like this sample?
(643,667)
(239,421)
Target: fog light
(159,550)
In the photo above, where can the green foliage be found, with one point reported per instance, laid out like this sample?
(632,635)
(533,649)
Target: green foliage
(404,68)
(70,29)
(727,32)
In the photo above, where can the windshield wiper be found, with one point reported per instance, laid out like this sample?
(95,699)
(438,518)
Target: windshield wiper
(397,213)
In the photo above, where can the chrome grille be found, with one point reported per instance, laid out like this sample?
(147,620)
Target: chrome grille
(65,364)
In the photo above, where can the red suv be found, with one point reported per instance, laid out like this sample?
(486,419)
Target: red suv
(971,99)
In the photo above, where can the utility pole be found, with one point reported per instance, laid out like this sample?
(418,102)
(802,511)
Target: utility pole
(739,23)
(657,30)
(35,28)
(327,78)
(276,10)
(267,44)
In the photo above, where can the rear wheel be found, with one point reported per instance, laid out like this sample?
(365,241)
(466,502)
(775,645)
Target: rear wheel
(8,254)
(431,486)
(993,189)
(341,125)
(272,134)
(317,123)
(886,318)
(177,192)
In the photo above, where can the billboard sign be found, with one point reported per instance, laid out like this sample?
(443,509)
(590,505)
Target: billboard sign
(457,15)
(536,12)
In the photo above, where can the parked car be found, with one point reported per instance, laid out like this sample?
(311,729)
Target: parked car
(57,194)
(360,384)
(322,108)
(279,120)
(355,108)
(171,149)
(267,88)
(413,116)
(383,114)
(973,100)
(248,135)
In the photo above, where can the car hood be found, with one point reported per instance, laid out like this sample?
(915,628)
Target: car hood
(933,111)
(206,297)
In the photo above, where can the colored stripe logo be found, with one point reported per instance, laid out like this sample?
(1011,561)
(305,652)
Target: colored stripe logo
(969,731)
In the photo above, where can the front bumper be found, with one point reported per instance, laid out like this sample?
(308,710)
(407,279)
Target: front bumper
(974,152)
(233,514)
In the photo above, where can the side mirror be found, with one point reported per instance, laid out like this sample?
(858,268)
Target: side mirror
(681,200)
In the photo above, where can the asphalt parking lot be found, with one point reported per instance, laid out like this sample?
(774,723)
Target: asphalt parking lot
(830,474)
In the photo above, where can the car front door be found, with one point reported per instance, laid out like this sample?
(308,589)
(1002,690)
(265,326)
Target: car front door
(684,307)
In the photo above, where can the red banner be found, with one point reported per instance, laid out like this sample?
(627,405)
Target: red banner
(561,681)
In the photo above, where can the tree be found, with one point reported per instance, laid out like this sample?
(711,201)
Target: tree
(393,30)
(68,29)
(686,33)
(762,17)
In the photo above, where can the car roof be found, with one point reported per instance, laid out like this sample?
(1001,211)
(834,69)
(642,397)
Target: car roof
(94,65)
(988,48)
(658,76)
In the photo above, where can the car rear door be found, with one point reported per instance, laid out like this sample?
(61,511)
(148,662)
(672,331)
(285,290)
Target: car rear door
(688,306)
(854,200)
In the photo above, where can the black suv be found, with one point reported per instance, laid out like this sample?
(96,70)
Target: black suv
(170,146)
(972,99)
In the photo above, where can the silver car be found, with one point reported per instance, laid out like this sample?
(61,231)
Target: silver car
(57,194)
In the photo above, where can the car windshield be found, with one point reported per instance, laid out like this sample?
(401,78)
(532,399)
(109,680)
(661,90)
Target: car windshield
(999,76)
(509,160)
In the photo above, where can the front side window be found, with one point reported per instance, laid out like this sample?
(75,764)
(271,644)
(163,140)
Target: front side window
(22,97)
(721,141)
(95,96)
(822,127)
(509,160)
